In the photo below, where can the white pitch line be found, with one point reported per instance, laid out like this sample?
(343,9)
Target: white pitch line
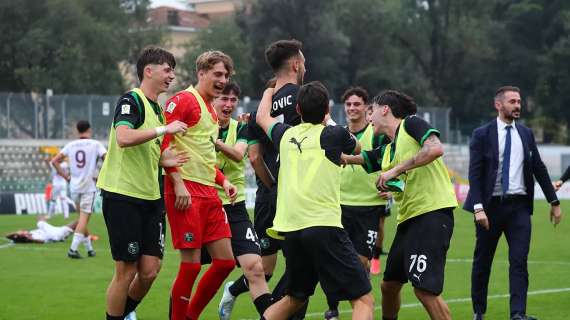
(7,245)
(456,300)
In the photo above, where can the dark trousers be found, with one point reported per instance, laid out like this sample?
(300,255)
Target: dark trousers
(512,217)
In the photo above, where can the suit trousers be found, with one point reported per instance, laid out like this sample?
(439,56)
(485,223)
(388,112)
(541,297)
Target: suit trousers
(511,216)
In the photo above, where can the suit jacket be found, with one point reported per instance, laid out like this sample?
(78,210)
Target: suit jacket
(484,162)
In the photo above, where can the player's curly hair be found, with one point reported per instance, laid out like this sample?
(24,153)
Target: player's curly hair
(400,103)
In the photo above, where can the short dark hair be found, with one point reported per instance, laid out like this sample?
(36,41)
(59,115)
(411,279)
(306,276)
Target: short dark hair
(501,91)
(154,55)
(232,87)
(279,52)
(355,91)
(82,126)
(313,100)
(400,103)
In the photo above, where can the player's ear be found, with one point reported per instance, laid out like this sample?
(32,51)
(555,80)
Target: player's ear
(147,71)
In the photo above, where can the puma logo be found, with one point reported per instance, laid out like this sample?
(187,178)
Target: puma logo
(417,277)
(297,143)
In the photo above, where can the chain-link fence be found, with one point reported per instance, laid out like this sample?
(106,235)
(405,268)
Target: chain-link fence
(40,116)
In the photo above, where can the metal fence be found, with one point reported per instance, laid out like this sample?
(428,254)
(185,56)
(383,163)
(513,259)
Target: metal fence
(41,116)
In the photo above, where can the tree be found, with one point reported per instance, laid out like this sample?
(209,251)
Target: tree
(226,37)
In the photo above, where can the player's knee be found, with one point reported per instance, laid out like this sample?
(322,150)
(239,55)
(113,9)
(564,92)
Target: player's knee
(425,296)
(390,288)
(366,301)
(254,271)
(126,273)
(149,275)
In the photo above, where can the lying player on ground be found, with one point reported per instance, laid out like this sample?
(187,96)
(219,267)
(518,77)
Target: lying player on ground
(44,233)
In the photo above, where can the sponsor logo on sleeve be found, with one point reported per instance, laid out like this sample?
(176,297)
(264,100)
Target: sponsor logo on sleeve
(125,109)
(170,107)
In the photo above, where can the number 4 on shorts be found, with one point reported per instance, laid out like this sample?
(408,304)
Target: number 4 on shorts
(421,262)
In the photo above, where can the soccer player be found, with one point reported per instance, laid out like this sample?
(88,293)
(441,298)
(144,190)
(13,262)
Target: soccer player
(308,207)
(44,233)
(288,65)
(132,206)
(83,154)
(58,190)
(232,147)
(425,215)
(361,205)
(194,210)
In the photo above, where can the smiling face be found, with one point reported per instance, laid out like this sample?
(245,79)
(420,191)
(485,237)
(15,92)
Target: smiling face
(225,105)
(213,80)
(355,108)
(160,75)
(378,118)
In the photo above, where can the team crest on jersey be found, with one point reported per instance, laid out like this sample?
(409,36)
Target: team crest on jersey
(125,109)
(188,237)
(264,243)
(133,248)
(170,107)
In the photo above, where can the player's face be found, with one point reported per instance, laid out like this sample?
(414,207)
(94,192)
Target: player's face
(355,108)
(161,76)
(214,80)
(377,118)
(225,105)
(509,106)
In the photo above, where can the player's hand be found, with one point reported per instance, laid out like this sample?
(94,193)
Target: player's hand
(244,117)
(183,199)
(230,190)
(557,184)
(217,144)
(385,177)
(481,219)
(555,215)
(176,126)
(172,158)
(385,195)
(344,159)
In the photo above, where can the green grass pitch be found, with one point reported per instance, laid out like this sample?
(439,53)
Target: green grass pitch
(39,282)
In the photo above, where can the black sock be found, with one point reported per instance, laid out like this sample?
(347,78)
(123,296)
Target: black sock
(110,317)
(240,286)
(130,306)
(263,302)
(333,304)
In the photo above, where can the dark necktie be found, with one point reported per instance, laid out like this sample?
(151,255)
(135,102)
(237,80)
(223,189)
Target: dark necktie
(506,161)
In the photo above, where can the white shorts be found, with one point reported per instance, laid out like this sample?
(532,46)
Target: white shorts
(85,201)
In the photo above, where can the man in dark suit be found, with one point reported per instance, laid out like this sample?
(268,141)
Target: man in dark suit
(504,161)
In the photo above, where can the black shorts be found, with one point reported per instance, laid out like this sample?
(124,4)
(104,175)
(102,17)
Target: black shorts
(419,251)
(325,255)
(361,224)
(244,240)
(136,227)
(263,215)
(386,211)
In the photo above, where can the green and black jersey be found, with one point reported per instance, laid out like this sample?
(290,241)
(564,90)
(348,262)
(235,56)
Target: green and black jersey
(427,188)
(130,110)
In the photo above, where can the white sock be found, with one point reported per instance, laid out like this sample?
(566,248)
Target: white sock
(77,239)
(87,243)
(65,208)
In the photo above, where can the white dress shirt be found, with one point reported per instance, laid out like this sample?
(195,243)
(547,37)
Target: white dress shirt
(516,179)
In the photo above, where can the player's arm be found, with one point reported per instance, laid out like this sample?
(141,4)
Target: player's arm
(431,150)
(263,117)
(229,188)
(128,137)
(255,154)
(56,161)
(128,119)
(236,152)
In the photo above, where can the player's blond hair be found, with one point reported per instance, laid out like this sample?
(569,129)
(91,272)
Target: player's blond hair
(208,59)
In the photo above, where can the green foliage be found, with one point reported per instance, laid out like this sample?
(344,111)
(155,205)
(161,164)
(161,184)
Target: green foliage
(71,46)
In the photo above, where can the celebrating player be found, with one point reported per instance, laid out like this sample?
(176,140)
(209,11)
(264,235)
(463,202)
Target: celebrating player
(132,206)
(194,210)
